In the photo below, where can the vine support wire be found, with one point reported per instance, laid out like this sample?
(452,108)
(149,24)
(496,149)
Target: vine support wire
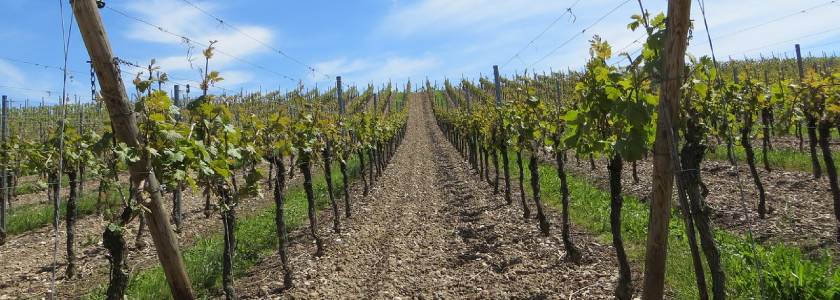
(597,21)
(62,121)
(263,43)
(192,41)
(568,10)
(740,184)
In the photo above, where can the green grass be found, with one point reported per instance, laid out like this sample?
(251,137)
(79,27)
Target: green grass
(23,218)
(787,159)
(29,188)
(787,271)
(37,186)
(256,237)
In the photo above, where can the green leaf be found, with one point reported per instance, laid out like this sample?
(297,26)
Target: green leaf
(221,168)
(571,115)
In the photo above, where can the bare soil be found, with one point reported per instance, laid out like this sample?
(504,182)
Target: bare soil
(800,207)
(27,259)
(432,230)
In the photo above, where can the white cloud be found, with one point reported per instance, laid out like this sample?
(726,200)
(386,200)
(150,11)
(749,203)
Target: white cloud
(10,74)
(342,66)
(235,78)
(446,16)
(401,68)
(473,34)
(230,49)
(728,17)
(379,70)
(449,38)
(182,19)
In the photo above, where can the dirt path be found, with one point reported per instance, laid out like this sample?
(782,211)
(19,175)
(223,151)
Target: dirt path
(431,230)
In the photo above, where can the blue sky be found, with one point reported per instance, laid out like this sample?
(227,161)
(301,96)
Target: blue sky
(374,41)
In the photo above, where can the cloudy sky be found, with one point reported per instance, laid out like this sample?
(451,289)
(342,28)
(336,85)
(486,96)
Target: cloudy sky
(374,41)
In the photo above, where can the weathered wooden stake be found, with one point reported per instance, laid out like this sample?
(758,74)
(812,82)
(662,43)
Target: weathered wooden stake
(663,163)
(811,121)
(502,145)
(124,122)
(3,187)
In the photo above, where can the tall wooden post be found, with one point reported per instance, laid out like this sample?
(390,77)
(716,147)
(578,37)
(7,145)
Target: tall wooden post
(177,96)
(126,131)
(811,121)
(498,84)
(503,145)
(7,190)
(81,177)
(4,124)
(177,193)
(339,91)
(664,146)
(799,64)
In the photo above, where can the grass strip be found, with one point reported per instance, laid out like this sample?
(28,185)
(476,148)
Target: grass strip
(788,273)
(32,216)
(785,159)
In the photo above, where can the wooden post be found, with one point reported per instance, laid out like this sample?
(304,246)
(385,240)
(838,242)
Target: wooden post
(663,156)
(338,95)
(498,84)
(799,63)
(811,122)
(81,177)
(7,191)
(375,103)
(503,146)
(467,97)
(177,95)
(126,131)
(735,75)
(4,123)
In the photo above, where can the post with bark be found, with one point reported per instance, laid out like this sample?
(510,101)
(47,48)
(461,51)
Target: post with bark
(330,191)
(280,220)
(501,139)
(177,194)
(526,213)
(4,123)
(573,254)
(624,288)
(811,122)
(825,145)
(81,164)
(372,159)
(305,164)
(663,165)
(766,126)
(70,219)
(342,162)
(126,131)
